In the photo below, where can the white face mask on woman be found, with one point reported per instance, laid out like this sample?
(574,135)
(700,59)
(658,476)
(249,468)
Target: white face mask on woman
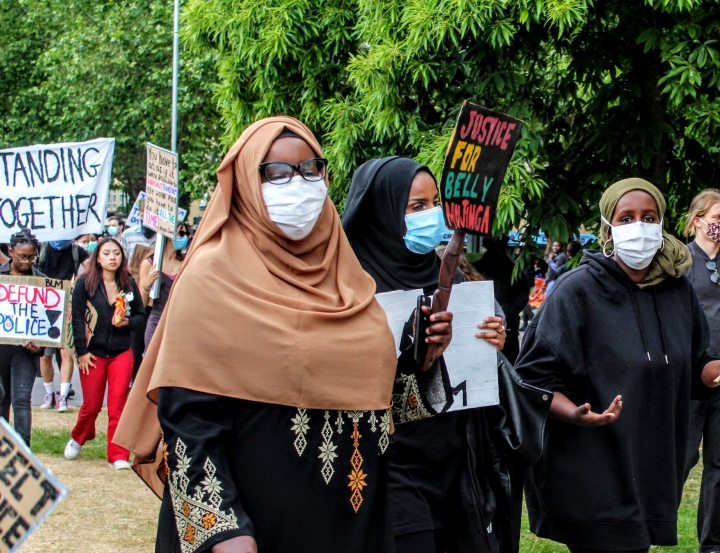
(636,243)
(296,206)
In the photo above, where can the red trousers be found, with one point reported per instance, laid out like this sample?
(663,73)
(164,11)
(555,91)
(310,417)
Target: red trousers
(116,372)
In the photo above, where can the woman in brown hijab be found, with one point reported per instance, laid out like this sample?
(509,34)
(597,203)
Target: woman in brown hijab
(274,408)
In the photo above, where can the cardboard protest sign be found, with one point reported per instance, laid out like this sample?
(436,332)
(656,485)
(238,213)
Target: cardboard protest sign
(35,309)
(161,192)
(28,490)
(477,159)
(471,362)
(58,191)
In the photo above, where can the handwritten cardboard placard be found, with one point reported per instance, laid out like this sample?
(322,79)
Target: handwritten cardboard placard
(28,490)
(477,159)
(134,219)
(34,308)
(161,191)
(58,191)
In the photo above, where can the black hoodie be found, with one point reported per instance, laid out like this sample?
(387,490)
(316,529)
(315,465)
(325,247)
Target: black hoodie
(596,336)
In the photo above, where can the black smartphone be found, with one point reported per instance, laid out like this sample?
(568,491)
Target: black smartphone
(422,322)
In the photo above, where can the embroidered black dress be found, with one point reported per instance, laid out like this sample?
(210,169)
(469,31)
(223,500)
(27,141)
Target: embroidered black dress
(297,480)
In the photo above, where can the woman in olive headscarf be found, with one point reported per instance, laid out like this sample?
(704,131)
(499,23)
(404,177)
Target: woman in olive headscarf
(621,342)
(274,408)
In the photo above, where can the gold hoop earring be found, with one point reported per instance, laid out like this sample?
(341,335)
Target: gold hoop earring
(605,247)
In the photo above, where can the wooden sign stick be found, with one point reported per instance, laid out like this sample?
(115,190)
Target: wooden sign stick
(441,297)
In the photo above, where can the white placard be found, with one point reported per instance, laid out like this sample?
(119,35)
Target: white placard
(58,191)
(471,361)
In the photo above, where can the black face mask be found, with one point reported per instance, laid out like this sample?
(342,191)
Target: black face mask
(148,232)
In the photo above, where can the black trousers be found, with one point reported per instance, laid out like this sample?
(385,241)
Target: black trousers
(705,427)
(17,376)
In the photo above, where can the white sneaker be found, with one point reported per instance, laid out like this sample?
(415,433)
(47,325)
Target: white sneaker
(62,404)
(72,449)
(120,465)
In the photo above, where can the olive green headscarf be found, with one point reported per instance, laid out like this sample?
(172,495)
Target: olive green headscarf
(673,259)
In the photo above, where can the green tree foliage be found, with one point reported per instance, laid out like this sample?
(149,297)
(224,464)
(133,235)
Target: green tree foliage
(73,70)
(608,88)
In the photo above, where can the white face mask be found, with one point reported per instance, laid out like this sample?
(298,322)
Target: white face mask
(295,207)
(637,243)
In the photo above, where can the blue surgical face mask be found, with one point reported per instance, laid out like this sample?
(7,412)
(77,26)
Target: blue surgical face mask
(60,244)
(180,243)
(425,230)
(112,231)
(91,246)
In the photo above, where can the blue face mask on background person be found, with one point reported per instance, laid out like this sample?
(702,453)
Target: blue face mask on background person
(91,246)
(112,231)
(424,230)
(180,243)
(60,244)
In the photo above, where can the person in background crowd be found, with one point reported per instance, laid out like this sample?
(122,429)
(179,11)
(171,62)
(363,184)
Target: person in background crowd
(131,238)
(139,235)
(17,363)
(281,401)
(115,226)
(173,258)
(495,265)
(621,342)
(394,223)
(703,222)
(88,242)
(556,262)
(63,260)
(573,249)
(104,355)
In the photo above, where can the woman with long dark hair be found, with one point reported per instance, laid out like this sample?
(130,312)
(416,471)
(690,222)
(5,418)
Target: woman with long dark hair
(173,257)
(17,363)
(105,357)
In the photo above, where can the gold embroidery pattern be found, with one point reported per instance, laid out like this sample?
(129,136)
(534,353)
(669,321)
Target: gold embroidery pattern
(301,426)
(407,405)
(357,476)
(373,421)
(384,440)
(327,450)
(199,516)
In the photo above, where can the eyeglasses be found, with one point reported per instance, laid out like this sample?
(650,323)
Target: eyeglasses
(24,259)
(712,266)
(278,172)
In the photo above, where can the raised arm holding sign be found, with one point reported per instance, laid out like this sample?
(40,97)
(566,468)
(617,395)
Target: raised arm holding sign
(475,164)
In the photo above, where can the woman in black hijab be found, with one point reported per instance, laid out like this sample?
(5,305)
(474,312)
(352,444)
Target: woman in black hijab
(427,457)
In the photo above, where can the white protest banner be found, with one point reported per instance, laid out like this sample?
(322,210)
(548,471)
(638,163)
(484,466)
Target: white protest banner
(35,309)
(134,219)
(471,362)
(58,191)
(28,490)
(161,191)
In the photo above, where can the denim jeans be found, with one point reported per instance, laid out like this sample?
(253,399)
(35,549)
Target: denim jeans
(17,375)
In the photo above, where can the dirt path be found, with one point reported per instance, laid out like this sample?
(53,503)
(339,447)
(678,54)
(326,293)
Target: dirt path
(105,511)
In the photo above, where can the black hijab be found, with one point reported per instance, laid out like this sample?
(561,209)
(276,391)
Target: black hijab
(374,221)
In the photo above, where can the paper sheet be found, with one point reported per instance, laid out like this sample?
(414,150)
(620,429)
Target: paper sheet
(471,362)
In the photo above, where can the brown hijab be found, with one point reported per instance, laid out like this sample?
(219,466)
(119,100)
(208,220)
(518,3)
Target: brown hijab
(257,316)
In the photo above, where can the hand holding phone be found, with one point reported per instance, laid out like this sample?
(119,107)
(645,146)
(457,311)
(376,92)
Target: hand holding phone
(422,322)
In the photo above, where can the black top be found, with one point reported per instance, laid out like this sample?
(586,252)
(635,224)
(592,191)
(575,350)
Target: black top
(708,292)
(374,221)
(559,262)
(598,335)
(5,270)
(108,340)
(60,263)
